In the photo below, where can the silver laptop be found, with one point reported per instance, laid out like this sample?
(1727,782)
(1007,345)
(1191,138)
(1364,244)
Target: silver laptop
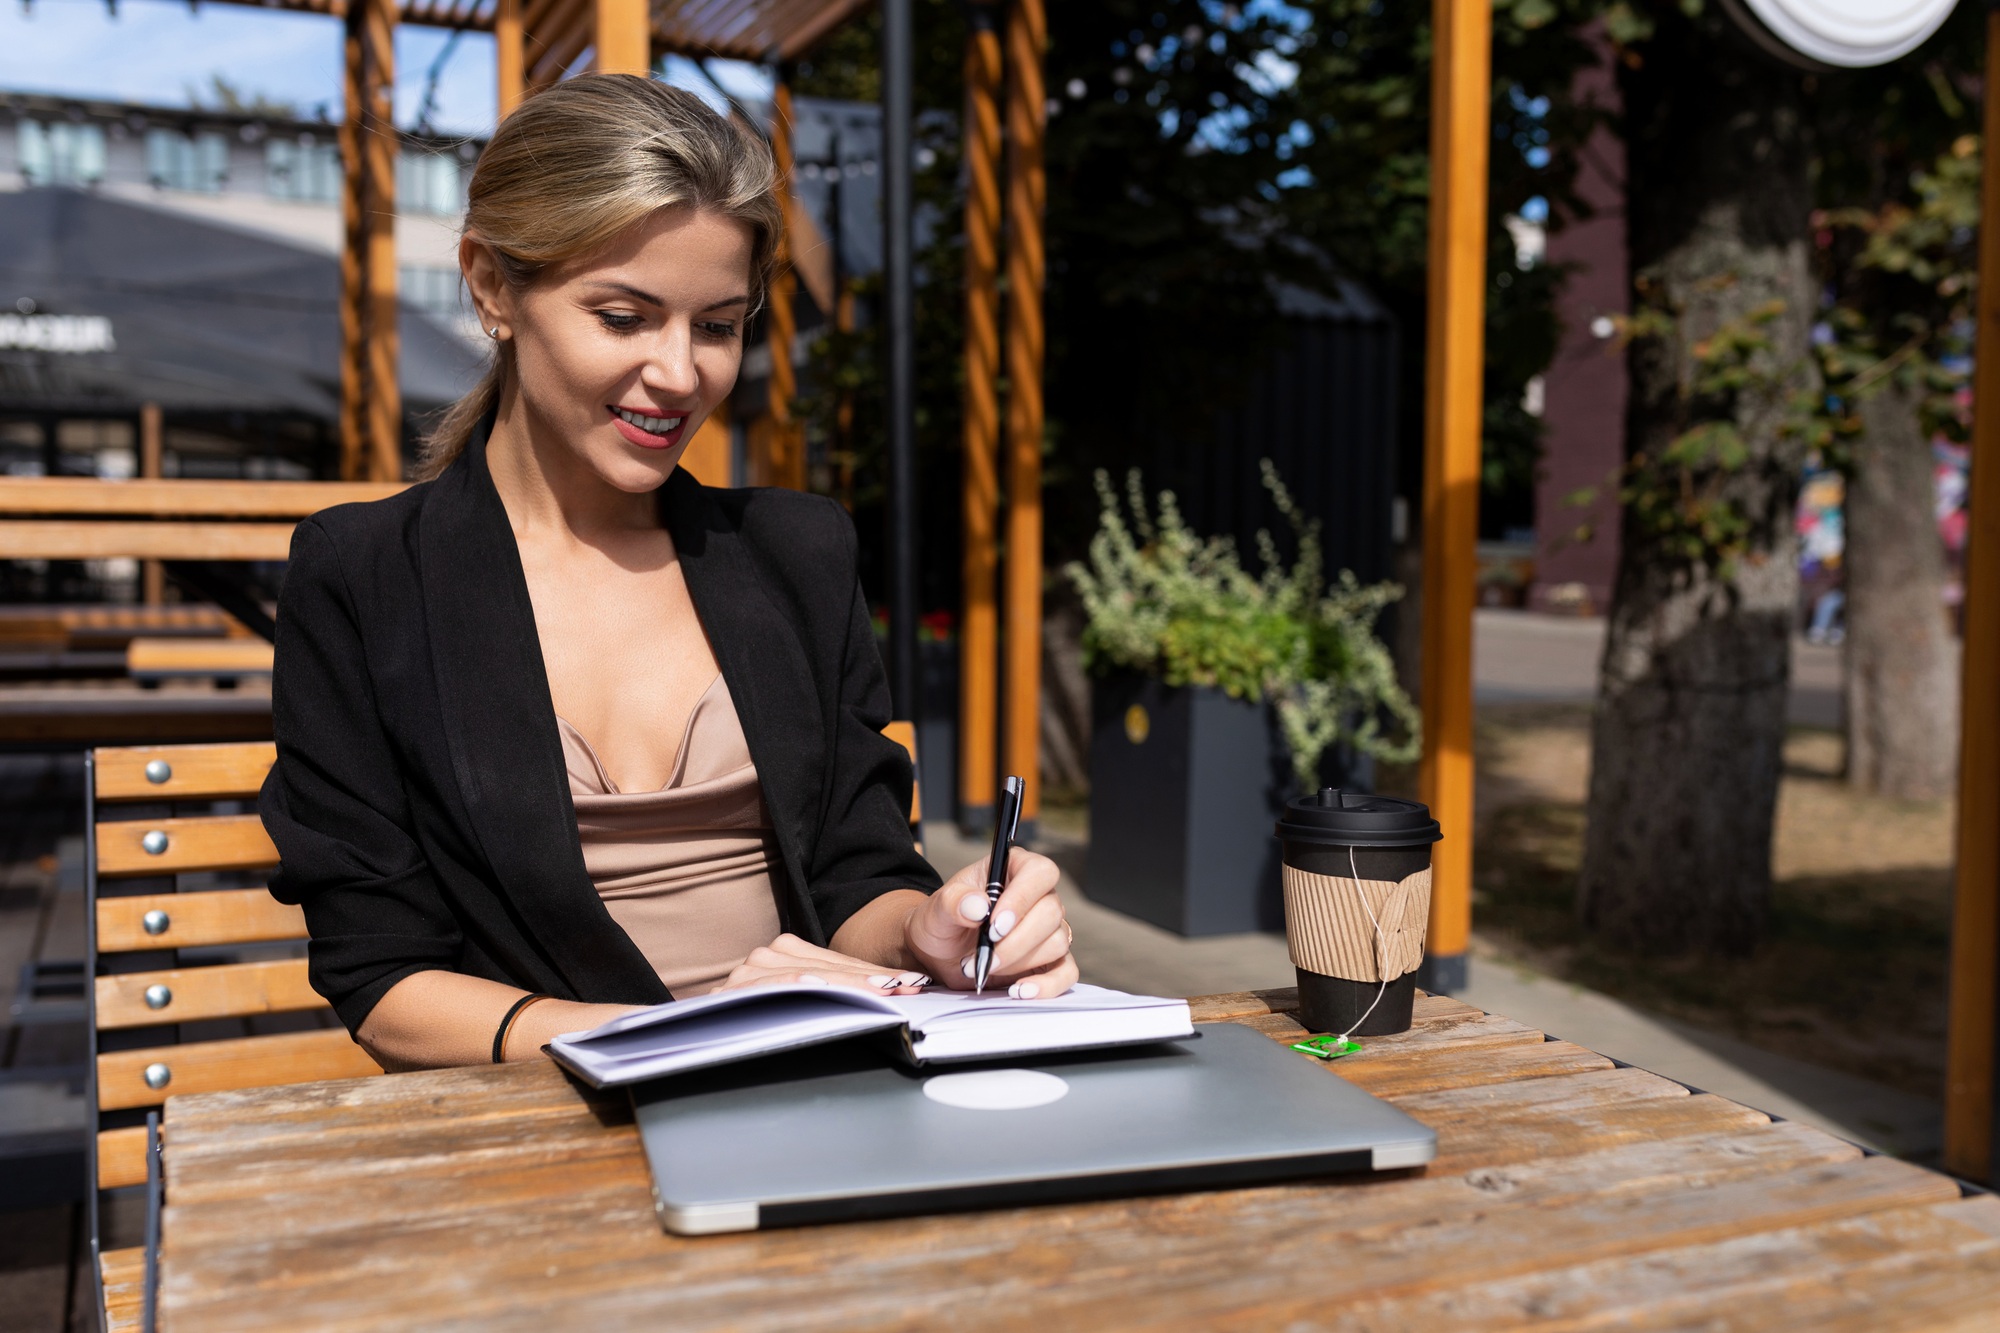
(838,1133)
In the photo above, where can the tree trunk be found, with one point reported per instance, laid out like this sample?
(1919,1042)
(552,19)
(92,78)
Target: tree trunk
(1902,684)
(1686,745)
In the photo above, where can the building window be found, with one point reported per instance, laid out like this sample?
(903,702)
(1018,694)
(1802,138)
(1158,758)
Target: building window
(429,183)
(176,161)
(436,290)
(302,168)
(61,153)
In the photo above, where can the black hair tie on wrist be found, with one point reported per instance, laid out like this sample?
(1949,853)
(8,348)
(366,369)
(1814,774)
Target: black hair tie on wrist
(500,1035)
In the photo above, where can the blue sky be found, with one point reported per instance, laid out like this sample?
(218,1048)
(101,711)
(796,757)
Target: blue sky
(155,51)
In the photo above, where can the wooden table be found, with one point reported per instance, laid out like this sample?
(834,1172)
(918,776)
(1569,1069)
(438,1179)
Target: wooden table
(1568,1192)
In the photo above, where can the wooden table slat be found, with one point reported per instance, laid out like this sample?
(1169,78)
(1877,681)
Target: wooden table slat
(1905,1268)
(124,1274)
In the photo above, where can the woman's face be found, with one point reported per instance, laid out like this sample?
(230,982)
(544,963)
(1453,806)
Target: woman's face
(620,357)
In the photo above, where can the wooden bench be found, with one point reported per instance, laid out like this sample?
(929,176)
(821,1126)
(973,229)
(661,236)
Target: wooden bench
(192,528)
(81,518)
(165,954)
(150,661)
(153,962)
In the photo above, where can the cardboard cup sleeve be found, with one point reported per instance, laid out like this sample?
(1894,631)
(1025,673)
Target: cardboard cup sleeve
(1329,932)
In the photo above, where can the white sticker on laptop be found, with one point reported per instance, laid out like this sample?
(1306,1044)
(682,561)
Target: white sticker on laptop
(996,1089)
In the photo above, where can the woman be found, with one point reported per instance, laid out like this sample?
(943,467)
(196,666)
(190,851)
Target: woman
(561,732)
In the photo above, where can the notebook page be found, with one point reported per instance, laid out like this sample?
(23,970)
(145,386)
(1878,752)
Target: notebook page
(956,1025)
(717,1029)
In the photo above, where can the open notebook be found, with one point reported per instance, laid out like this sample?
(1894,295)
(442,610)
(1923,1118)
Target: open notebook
(938,1025)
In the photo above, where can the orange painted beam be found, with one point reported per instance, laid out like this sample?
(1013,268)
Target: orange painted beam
(707,456)
(1461,92)
(979,623)
(780,456)
(380,146)
(624,38)
(510,74)
(353,253)
(1027,38)
(1970,1073)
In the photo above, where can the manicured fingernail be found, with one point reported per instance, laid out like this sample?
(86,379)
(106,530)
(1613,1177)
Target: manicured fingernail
(973,907)
(810,980)
(1004,922)
(966,967)
(913,979)
(885,982)
(1024,990)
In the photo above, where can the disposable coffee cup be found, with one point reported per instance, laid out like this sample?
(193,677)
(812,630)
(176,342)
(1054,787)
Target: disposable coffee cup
(1357,882)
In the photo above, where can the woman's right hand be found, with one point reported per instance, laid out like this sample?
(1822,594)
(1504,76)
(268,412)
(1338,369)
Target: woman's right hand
(789,960)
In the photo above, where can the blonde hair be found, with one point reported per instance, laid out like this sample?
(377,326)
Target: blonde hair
(579,163)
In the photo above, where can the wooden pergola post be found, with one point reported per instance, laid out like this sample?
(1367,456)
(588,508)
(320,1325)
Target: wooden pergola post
(1971,1128)
(1461,95)
(353,253)
(380,147)
(779,458)
(979,624)
(509,56)
(624,37)
(1027,37)
(371,400)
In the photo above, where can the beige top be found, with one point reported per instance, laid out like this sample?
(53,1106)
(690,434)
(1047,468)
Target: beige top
(686,870)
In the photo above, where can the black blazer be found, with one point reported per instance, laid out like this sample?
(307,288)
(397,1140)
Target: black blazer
(420,803)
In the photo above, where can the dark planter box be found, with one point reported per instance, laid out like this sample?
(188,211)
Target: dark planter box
(1184,787)
(1184,796)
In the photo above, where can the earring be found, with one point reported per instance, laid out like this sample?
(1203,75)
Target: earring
(494,333)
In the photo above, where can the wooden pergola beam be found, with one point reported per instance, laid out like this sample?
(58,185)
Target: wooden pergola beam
(470,15)
(353,260)
(778,456)
(1026,39)
(979,622)
(510,76)
(566,34)
(623,37)
(381,145)
(1454,397)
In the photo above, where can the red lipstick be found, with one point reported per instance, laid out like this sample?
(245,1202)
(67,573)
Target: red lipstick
(645,436)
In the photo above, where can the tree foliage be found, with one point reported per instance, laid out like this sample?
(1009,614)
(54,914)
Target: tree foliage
(1199,153)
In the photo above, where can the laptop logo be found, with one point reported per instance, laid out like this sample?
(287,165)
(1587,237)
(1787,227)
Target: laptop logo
(996,1089)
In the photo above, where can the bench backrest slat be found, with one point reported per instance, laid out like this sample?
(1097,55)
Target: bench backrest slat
(165,923)
(182,497)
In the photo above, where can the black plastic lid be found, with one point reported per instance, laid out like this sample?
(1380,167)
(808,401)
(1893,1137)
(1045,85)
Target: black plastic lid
(1357,819)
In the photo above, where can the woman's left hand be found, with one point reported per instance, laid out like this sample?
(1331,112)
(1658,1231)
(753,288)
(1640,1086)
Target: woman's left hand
(1031,950)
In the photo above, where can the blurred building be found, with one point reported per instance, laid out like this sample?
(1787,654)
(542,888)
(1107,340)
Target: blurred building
(182,266)
(243,169)
(1584,389)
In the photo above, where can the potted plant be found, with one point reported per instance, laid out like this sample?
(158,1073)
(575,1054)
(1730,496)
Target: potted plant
(1218,695)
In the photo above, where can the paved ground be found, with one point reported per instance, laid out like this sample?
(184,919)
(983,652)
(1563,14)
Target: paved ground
(1522,657)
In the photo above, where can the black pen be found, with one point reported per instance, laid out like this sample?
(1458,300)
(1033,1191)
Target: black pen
(1006,821)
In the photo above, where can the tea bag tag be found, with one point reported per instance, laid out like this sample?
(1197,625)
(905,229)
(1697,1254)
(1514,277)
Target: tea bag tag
(1329,1047)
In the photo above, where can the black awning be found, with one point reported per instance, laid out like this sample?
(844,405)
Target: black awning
(201,317)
